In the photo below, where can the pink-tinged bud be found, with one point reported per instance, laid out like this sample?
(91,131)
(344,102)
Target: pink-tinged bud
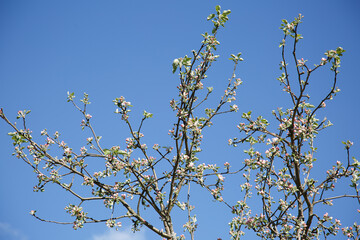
(49,141)
(67,151)
(221,177)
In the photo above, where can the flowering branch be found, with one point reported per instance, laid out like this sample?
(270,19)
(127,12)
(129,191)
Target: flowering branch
(141,185)
(288,192)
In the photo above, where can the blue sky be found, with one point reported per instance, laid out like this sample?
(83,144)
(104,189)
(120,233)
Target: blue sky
(110,49)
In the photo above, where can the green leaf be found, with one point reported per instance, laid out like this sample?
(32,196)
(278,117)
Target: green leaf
(309,105)
(70,96)
(147,115)
(226,12)
(186,61)
(246,115)
(175,65)
(217,8)
(211,16)
(106,151)
(122,152)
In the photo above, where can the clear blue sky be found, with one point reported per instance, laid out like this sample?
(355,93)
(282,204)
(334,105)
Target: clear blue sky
(125,48)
